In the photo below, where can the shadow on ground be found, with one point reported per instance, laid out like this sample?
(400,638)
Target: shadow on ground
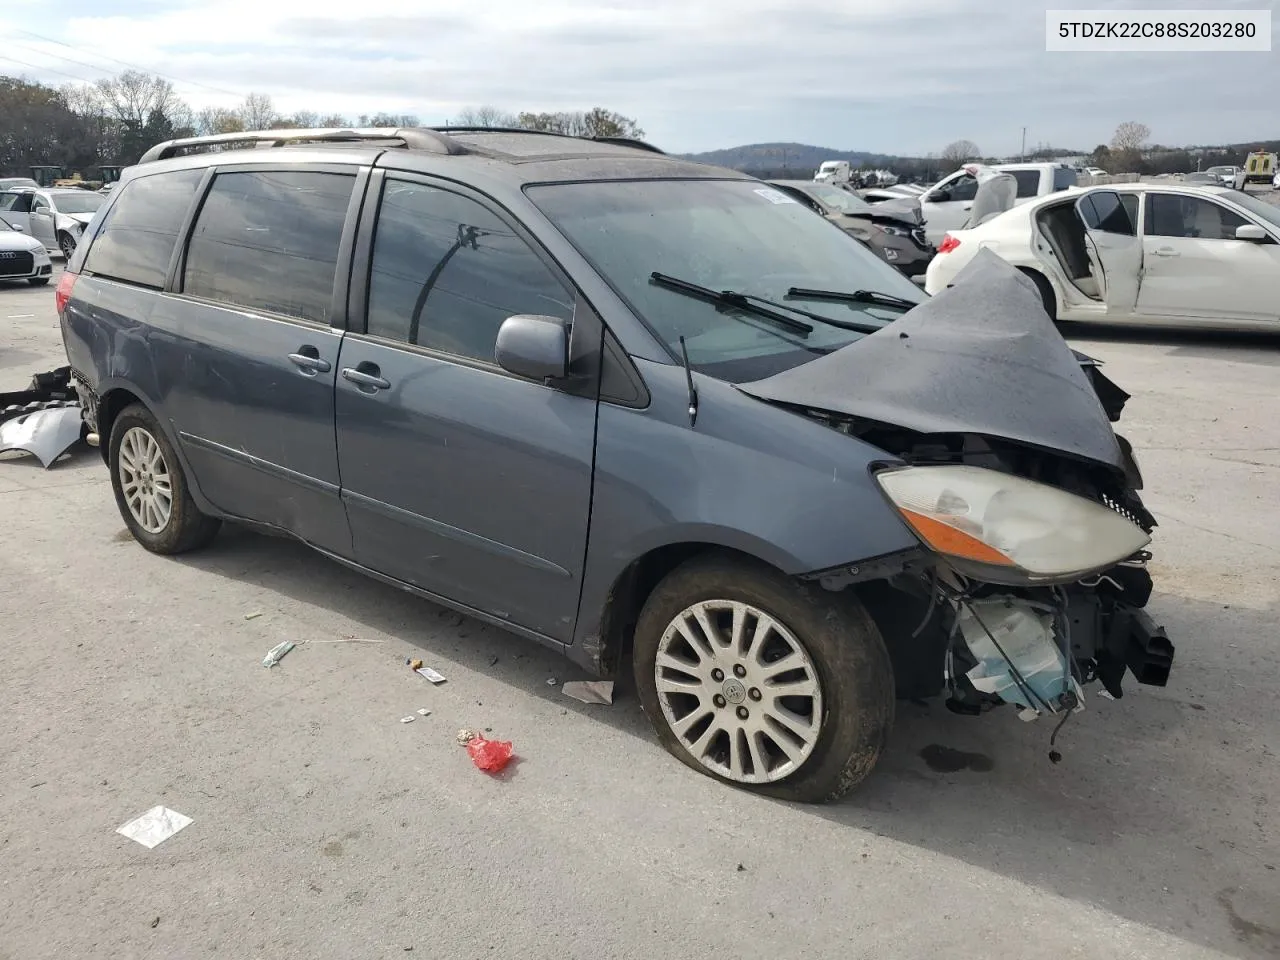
(1148,816)
(1207,344)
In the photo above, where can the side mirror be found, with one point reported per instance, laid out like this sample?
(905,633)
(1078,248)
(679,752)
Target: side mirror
(1251,232)
(533,346)
(935,196)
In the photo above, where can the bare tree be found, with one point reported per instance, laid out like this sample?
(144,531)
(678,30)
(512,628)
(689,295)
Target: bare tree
(133,97)
(387,120)
(302,120)
(1126,145)
(485,116)
(960,152)
(257,112)
(333,120)
(596,122)
(218,120)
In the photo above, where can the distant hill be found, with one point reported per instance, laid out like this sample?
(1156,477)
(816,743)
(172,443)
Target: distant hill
(800,158)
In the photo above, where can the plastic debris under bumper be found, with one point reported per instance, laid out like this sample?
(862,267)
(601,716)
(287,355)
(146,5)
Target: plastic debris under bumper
(47,434)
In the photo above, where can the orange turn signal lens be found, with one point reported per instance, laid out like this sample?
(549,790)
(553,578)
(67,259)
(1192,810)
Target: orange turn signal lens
(946,539)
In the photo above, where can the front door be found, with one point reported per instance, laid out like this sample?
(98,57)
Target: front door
(946,206)
(1196,268)
(460,478)
(247,349)
(42,223)
(1115,250)
(15,207)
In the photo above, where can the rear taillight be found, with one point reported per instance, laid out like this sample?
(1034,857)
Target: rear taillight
(63,292)
(949,243)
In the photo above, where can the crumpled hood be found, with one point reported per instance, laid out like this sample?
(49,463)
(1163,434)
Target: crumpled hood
(82,218)
(981,357)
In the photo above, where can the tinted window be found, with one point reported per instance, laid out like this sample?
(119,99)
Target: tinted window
(140,229)
(447,272)
(81,201)
(268,240)
(1028,182)
(1171,215)
(1106,212)
(17,202)
(7,201)
(1064,177)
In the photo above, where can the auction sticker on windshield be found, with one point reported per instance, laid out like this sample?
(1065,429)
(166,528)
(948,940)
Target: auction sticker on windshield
(774,196)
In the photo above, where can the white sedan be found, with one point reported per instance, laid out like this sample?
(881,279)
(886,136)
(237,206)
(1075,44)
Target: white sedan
(1134,253)
(22,257)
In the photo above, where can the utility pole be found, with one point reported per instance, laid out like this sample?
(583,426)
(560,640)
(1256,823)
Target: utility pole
(1023,154)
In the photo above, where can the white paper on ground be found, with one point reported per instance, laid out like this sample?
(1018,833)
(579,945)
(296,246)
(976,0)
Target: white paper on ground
(155,826)
(590,691)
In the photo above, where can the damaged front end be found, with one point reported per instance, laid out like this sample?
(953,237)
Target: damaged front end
(1031,577)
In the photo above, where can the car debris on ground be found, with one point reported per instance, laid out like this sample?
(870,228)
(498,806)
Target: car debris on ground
(277,653)
(590,691)
(44,420)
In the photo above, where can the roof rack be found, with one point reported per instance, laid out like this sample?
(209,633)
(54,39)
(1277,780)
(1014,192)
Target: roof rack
(432,139)
(417,138)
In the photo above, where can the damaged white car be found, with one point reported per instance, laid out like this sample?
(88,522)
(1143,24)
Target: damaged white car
(1136,253)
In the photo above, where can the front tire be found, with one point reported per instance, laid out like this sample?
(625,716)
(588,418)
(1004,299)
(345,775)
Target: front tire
(762,682)
(151,489)
(67,244)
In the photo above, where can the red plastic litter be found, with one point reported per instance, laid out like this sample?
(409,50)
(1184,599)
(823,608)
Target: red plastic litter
(489,755)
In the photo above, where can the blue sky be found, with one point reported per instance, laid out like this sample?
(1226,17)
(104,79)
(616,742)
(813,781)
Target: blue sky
(893,76)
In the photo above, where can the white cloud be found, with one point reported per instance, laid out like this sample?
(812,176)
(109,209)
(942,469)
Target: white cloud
(869,74)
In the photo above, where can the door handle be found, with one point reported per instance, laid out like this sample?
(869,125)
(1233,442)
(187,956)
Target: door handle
(307,360)
(366,376)
(1166,252)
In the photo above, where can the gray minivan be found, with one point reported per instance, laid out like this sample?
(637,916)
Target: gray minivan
(640,410)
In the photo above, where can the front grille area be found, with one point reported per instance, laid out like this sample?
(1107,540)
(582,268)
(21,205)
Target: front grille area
(16,264)
(917,234)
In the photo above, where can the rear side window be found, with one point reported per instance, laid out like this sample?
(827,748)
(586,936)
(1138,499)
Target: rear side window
(447,272)
(1064,177)
(140,229)
(1028,182)
(1105,211)
(268,240)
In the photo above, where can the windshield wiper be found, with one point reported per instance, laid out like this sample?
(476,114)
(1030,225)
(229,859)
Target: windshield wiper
(730,298)
(857,296)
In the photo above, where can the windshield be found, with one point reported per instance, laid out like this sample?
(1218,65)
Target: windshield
(1268,213)
(80,201)
(737,235)
(840,200)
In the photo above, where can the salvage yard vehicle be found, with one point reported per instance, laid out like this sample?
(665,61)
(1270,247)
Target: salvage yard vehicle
(1162,253)
(893,230)
(644,411)
(948,202)
(22,257)
(55,217)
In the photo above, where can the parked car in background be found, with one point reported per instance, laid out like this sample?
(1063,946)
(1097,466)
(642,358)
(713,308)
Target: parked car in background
(22,257)
(1205,179)
(1225,174)
(55,217)
(1164,253)
(947,203)
(650,413)
(14,183)
(892,230)
(1096,172)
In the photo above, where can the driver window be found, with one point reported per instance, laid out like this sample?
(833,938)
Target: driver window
(963,188)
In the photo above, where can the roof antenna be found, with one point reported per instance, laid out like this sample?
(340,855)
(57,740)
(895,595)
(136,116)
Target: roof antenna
(693,391)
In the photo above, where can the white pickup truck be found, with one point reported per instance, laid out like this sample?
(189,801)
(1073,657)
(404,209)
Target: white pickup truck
(946,204)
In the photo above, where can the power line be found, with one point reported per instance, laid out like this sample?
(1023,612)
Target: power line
(45,53)
(124,63)
(45,69)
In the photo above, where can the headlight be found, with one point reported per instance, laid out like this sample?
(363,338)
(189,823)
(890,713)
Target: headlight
(892,231)
(1004,529)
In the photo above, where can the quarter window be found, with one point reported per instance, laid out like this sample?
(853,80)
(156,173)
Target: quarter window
(1174,215)
(1028,182)
(140,229)
(268,240)
(446,272)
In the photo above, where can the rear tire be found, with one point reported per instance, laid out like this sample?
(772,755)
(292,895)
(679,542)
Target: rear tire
(151,489)
(838,729)
(1047,296)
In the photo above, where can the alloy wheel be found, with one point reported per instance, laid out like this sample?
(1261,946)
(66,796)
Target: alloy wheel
(145,480)
(739,690)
